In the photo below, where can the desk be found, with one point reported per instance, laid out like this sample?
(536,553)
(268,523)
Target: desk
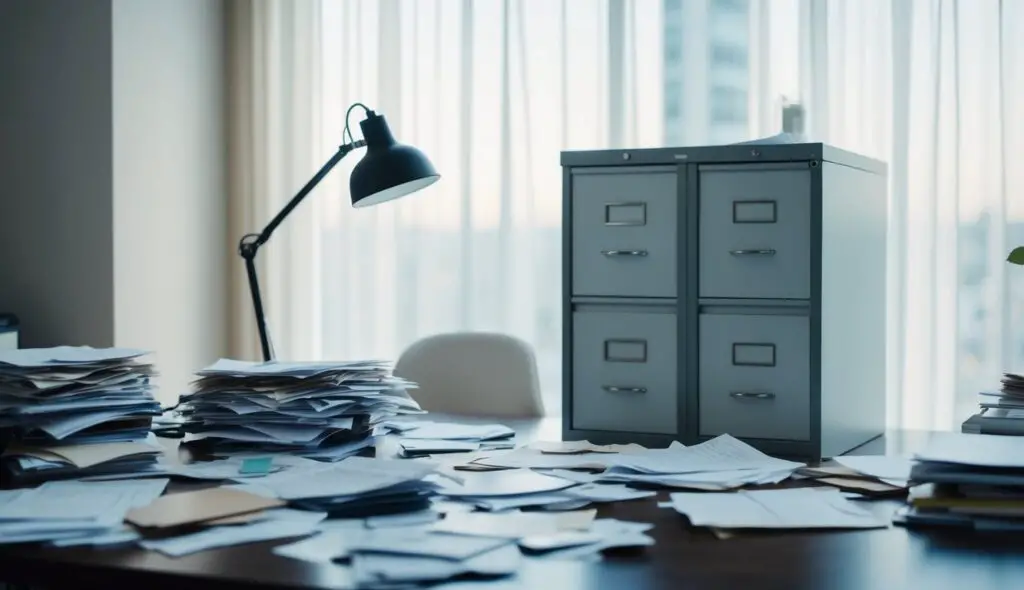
(888,559)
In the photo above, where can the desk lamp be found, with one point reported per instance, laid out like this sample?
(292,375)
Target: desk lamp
(388,170)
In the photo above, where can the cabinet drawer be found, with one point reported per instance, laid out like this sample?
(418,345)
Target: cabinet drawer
(624,371)
(624,234)
(755,379)
(755,232)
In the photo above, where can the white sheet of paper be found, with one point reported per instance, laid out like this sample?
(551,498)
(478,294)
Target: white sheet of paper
(110,538)
(59,355)
(888,468)
(982,450)
(380,568)
(353,476)
(718,454)
(503,503)
(422,517)
(100,502)
(727,479)
(455,431)
(427,544)
(799,508)
(438,446)
(575,476)
(515,525)
(320,548)
(610,533)
(504,483)
(534,459)
(596,492)
(282,523)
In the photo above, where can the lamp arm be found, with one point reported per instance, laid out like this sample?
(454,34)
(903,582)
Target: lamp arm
(250,243)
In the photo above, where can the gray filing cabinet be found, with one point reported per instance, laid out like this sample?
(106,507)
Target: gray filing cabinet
(733,289)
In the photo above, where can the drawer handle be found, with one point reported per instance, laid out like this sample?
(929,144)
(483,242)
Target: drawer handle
(752,395)
(766,252)
(616,389)
(610,253)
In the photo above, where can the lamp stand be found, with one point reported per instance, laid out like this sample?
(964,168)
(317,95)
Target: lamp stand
(250,243)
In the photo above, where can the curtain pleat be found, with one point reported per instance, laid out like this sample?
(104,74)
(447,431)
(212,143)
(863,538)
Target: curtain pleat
(954,322)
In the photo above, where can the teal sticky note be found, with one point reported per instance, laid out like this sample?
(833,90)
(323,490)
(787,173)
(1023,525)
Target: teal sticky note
(256,466)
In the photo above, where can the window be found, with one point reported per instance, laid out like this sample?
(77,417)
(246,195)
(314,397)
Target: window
(728,105)
(673,51)
(672,110)
(730,5)
(728,55)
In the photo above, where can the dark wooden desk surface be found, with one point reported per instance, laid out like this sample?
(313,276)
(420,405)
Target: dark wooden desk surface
(682,558)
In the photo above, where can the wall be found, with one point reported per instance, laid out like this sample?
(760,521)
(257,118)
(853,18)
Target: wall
(112,191)
(169,186)
(56,240)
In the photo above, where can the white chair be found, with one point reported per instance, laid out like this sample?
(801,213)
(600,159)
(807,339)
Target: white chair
(473,374)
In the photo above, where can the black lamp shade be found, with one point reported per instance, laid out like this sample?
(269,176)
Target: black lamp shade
(388,170)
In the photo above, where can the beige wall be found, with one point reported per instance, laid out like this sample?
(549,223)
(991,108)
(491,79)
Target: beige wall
(112,197)
(169,183)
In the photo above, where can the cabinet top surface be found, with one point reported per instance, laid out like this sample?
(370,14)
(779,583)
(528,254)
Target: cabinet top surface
(722,154)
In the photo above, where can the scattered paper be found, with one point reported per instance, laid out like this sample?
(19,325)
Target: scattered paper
(717,464)
(427,544)
(891,469)
(278,525)
(596,492)
(195,507)
(409,429)
(581,446)
(515,525)
(69,510)
(798,508)
(611,534)
(381,569)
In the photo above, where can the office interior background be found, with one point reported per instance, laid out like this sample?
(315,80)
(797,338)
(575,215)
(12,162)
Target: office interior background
(493,90)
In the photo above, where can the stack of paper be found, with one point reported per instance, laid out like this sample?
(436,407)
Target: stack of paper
(873,475)
(357,487)
(320,410)
(1002,412)
(420,438)
(1010,396)
(718,464)
(73,512)
(73,411)
(798,508)
(968,480)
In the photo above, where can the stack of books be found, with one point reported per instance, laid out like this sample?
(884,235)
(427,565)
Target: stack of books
(69,412)
(318,410)
(973,481)
(1002,412)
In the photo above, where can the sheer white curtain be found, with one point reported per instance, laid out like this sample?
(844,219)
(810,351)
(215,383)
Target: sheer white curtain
(493,91)
(274,122)
(933,88)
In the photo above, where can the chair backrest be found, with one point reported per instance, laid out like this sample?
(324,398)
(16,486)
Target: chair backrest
(473,374)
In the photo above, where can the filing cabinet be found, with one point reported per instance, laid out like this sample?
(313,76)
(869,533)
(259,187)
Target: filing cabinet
(735,289)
